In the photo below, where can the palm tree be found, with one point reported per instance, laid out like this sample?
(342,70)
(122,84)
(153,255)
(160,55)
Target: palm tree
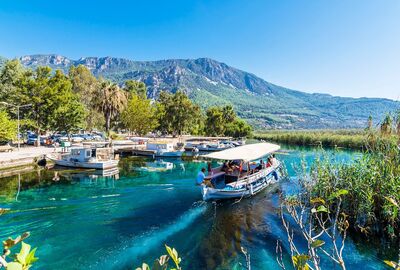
(110,101)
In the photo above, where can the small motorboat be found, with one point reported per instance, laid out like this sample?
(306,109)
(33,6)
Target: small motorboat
(248,178)
(89,158)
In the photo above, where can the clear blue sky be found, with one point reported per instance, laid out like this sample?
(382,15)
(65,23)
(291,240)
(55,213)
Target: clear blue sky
(347,47)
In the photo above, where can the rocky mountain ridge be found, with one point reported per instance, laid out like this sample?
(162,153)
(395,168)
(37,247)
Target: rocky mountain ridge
(209,82)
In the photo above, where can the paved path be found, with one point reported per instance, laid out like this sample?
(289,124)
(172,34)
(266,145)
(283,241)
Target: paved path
(25,152)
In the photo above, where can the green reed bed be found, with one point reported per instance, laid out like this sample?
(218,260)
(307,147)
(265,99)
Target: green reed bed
(373,184)
(353,139)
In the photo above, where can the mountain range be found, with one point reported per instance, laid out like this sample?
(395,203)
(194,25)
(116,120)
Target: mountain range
(209,82)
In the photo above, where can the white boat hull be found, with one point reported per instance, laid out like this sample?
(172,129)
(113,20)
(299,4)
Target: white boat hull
(104,165)
(264,179)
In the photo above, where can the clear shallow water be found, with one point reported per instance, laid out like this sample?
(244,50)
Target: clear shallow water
(83,221)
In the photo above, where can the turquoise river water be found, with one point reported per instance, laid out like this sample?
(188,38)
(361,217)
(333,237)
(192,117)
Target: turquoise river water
(80,220)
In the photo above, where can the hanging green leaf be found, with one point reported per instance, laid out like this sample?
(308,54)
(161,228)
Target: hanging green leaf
(145,266)
(338,193)
(23,253)
(174,256)
(322,208)
(392,201)
(300,261)
(317,200)
(317,243)
(14,266)
(392,264)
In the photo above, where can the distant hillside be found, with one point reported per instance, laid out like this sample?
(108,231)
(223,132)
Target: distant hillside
(210,82)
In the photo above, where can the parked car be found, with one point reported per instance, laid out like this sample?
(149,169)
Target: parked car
(97,137)
(32,138)
(87,137)
(77,138)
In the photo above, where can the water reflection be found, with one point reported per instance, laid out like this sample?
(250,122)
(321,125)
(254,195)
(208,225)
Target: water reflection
(234,226)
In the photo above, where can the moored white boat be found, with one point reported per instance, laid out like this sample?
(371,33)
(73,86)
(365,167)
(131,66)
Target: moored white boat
(90,158)
(208,147)
(251,179)
(163,149)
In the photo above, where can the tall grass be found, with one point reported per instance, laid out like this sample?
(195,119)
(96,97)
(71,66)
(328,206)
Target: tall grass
(352,139)
(373,182)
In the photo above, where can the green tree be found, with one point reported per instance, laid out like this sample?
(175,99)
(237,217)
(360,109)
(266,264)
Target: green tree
(229,114)
(51,98)
(223,121)
(8,128)
(10,79)
(177,113)
(38,89)
(197,127)
(215,122)
(238,128)
(139,115)
(70,114)
(164,124)
(110,101)
(136,88)
(86,86)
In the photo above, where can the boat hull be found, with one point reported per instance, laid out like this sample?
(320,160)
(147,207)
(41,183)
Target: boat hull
(248,190)
(88,165)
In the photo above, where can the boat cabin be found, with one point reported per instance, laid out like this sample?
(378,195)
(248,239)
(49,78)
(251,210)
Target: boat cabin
(89,154)
(160,146)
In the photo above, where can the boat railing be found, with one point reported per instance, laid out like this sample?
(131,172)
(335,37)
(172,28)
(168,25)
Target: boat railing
(255,176)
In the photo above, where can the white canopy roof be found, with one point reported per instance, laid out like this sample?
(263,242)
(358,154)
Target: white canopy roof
(246,152)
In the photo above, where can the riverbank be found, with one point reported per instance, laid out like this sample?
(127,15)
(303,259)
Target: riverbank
(24,157)
(352,139)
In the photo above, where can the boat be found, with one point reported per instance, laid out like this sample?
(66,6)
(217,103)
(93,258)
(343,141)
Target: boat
(162,149)
(208,147)
(248,179)
(88,158)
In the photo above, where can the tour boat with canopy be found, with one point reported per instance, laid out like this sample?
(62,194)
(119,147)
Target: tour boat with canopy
(246,177)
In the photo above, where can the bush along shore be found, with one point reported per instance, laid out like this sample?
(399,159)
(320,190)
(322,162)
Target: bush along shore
(373,182)
(336,200)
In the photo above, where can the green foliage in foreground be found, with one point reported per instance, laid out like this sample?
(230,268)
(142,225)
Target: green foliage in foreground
(22,260)
(373,182)
(163,262)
